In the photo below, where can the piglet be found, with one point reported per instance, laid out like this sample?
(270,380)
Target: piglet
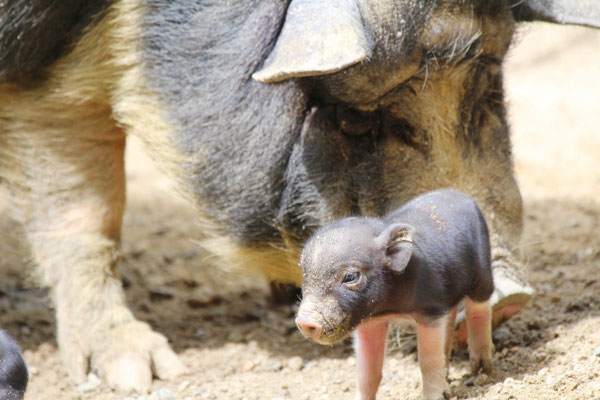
(418,263)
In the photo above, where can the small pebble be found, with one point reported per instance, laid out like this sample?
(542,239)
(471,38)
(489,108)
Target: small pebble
(541,356)
(481,379)
(296,363)
(183,385)
(597,351)
(199,332)
(92,383)
(501,334)
(248,366)
(236,336)
(274,366)
(163,394)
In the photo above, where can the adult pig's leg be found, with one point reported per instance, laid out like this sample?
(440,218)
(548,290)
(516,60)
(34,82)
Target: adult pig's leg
(63,165)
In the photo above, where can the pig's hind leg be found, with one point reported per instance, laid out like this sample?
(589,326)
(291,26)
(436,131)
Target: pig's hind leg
(479,328)
(450,320)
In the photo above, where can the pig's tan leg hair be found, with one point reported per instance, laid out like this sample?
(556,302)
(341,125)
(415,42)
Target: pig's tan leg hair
(61,157)
(63,165)
(479,326)
(369,343)
(431,345)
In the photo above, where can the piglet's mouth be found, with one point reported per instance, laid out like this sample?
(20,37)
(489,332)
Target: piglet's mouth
(329,339)
(323,333)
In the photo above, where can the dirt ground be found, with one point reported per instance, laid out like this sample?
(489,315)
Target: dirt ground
(239,346)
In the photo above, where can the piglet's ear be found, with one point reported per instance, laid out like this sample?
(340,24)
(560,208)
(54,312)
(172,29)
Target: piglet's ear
(397,242)
(318,37)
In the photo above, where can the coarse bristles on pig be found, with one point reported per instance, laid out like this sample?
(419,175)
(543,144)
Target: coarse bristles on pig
(418,262)
(355,107)
(13,371)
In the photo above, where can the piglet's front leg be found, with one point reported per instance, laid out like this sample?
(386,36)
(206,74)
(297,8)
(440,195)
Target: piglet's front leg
(369,344)
(431,345)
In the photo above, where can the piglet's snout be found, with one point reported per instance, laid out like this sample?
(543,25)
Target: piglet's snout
(309,328)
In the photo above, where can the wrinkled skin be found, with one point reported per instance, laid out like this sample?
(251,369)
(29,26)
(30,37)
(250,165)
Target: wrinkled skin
(417,105)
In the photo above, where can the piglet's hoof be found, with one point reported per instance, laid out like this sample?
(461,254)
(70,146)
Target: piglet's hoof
(445,393)
(481,363)
(126,357)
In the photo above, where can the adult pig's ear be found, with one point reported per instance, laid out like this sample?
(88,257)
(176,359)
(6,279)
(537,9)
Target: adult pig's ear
(576,12)
(318,37)
(397,242)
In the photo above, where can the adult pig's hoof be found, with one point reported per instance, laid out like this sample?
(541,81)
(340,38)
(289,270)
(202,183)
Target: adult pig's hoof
(126,357)
(133,353)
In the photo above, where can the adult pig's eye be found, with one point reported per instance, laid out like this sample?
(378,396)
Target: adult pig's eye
(351,277)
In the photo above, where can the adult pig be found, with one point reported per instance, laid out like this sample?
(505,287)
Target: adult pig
(13,371)
(355,107)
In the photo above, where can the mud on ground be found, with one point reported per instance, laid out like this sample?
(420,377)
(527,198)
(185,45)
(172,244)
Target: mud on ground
(239,346)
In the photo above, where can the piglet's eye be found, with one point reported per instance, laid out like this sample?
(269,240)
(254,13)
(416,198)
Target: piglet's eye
(351,277)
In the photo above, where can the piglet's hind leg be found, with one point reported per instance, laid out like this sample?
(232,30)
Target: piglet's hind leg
(370,350)
(431,344)
(450,319)
(479,327)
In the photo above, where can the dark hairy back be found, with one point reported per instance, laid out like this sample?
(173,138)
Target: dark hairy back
(34,33)
(451,256)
